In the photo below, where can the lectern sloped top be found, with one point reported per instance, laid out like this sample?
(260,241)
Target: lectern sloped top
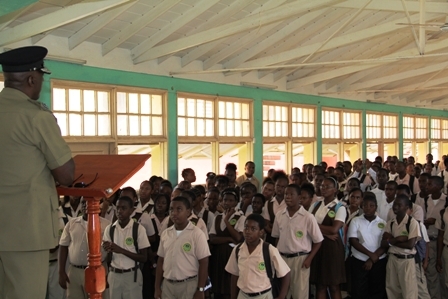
(111,172)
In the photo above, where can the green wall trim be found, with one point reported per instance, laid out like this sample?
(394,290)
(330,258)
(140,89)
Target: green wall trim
(173,145)
(400,136)
(318,134)
(8,6)
(364,134)
(258,138)
(73,72)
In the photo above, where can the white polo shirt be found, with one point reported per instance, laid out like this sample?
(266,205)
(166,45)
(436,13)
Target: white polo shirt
(145,221)
(123,238)
(75,237)
(368,233)
(277,207)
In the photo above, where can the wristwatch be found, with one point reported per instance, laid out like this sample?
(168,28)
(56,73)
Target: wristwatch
(200,289)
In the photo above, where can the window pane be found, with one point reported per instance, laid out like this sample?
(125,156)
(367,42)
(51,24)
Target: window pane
(134,125)
(89,100)
(145,126)
(89,125)
(181,106)
(103,101)
(74,124)
(210,130)
(122,125)
(74,98)
(58,99)
(62,122)
(181,127)
(145,105)
(104,125)
(222,110)
(200,124)
(157,125)
(121,102)
(157,104)
(133,103)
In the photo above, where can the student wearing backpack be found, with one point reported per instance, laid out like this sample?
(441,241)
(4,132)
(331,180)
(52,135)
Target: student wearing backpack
(73,245)
(406,179)
(252,262)
(400,242)
(442,244)
(444,175)
(298,239)
(328,267)
(127,243)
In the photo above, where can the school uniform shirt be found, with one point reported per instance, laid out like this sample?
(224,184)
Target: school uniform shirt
(145,221)
(157,221)
(182,251)
(341,214)
(277,207)
(444,175)
(123,238)
(369,234)
(441,223)
(392,176)
(384,207)
(143,208)
(367,182)
(250,268)
(74,237)
(417,213)
(296,233)
(210,218)
(400,230)
(433,211)
(243,178)
(111,212)
(73,213)
(200,224)
(379,194)
(405,181)
(238,225)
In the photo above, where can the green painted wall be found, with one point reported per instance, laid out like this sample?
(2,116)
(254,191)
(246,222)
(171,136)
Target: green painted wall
(73,72)
(8,6)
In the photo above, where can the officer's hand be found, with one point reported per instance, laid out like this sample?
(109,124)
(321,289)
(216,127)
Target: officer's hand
(63,280)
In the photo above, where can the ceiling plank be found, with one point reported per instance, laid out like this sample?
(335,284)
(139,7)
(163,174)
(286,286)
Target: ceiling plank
(346,39)
(95,25)
(7,19)
(396,5)
(218,19)
(271,16)
(199,8)
(56,19)
(273,39)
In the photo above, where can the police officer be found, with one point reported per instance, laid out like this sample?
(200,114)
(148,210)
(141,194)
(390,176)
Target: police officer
(33,155)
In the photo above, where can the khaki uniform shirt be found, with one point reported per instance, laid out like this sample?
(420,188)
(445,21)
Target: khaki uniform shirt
(400,230)
(243,178)
(31,145)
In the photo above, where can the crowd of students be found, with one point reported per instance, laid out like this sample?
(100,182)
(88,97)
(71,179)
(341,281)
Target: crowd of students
(368,229)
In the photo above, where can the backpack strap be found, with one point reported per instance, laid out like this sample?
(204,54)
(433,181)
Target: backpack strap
(205,216)
(411,183)
(194,221)
(316,207)
(271,211)
(442,212)
(137,216)
(109,254)
(267,260)
(426,203)
(67,211)
(237,250)
(154,224)
(65,219)
(135,237)
(408,224)
(362,179)
(413,198)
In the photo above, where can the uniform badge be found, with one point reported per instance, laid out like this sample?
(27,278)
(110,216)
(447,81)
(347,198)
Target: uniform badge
(261,266)
(404,233)
(299,234)
(186,247)
(232,221)
(129,241)
(331,214)
(380,225)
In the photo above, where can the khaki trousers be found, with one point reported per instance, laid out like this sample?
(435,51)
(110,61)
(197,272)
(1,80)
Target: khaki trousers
(421,282)
(179,290)
(267,295)
(401,278)
(23,274)
(300,277)
(122,285)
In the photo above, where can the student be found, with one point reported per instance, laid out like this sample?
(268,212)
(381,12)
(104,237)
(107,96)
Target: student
(125,278)
(226,230)
(161,211)
(183,256)
(71,207)
(432,205)
(400,242)
(442,245)
(380,188)
(406,179)
(367,261)
(230,173)
(392,171)
(298,240)
(108,209)
(328,269)
(354,208)
(156,181)
(210,180)
(268,189)
(145,204)
(444,175)
(258,201)
(307,195)
(248,266)
(185,185)
(417,211)
(276,204)
(423,195)
(189,175)
(384,206)
(166,188)
(200,211)
(248,176)
(73,244)
(137,214)
(221,182)
(352,183)
(247,191)
(318,180)
(212,200)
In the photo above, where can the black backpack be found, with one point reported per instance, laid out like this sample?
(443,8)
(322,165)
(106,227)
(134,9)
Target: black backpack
(134,237)
(275,281)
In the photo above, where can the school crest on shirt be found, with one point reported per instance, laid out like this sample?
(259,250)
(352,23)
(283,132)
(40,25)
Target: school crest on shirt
(331,214)
(129,241)
(404,233)
(380,225)
(232,221)
(186,247)
(299,234)
(261,266)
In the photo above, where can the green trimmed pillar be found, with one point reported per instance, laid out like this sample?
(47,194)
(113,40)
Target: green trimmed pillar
(258,138)
(318,133)
(172,144)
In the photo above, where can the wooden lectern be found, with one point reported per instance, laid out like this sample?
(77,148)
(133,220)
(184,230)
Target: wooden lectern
(112,171)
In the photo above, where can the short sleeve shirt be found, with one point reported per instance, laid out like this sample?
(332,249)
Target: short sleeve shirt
(251,270)
(400,230)
(441,223)
(296,233)
(123,238)
(277,207)
(368,233)
(182,252)
(238,225)
(341,213)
